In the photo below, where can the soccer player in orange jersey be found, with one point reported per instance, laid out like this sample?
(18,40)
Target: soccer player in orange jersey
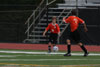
(54,32)
(74,22)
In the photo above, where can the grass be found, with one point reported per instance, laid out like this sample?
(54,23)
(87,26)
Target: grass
(46,59)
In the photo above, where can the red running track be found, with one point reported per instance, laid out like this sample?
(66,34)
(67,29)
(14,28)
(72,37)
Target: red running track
(45,47)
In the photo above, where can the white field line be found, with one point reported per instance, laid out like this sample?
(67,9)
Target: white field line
(8,55)
(54,53)
(49,59)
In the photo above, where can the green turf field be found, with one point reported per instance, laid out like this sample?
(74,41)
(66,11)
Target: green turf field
(20,59)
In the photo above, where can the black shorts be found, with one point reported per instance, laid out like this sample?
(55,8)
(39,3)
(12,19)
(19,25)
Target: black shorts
(53,38)
(75,36)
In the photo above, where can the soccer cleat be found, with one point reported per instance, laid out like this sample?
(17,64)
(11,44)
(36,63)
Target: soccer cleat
(68,54)
(86,54)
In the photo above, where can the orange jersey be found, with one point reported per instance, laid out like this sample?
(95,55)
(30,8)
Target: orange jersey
(74,22)
(54,28)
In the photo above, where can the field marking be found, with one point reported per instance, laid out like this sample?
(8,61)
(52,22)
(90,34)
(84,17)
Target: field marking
(21,64)
(8,55)
(52,53)
(14,64)
(49,59)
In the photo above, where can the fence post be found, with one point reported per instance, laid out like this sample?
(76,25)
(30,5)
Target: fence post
(28,30)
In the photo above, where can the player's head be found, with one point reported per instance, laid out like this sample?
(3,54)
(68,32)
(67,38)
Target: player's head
(54,19)
(74,12)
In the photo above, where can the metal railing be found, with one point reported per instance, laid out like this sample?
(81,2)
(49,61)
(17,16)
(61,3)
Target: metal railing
(62,22)
(49,3)
(33,17)
(60,15)
(31,21)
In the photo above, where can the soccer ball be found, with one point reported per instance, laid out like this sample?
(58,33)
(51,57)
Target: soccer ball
(55,48)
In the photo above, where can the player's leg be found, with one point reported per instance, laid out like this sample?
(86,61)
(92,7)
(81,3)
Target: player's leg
(76,37)
(49,47)
(84,49)
(50,43)
(68,48)
(55,37)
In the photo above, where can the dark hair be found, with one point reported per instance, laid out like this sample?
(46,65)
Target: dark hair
(74,12)
(54,17)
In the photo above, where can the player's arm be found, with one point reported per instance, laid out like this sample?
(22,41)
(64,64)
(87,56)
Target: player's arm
(46,30)
(85,27)
(84,24)
(59,33)
(66,20)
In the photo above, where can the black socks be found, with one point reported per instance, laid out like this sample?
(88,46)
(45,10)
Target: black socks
(69,48)
(49,48)
(84,49)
